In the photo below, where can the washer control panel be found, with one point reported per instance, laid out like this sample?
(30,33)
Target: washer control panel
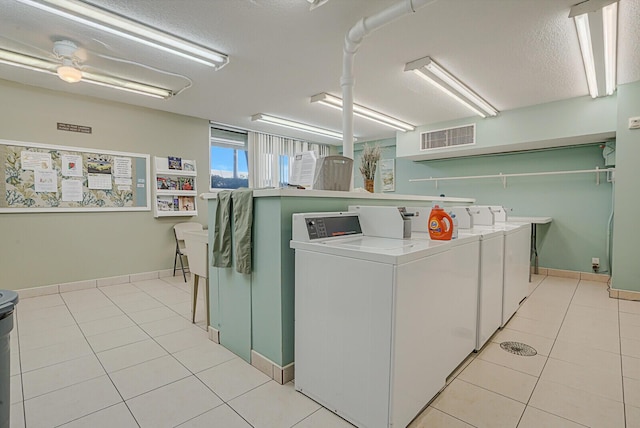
(327,227)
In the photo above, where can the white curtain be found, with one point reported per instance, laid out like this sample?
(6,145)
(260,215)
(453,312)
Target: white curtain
(270,157)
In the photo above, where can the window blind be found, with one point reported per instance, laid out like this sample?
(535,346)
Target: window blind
(270,157)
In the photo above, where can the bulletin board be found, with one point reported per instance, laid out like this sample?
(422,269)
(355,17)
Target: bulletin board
(49,178)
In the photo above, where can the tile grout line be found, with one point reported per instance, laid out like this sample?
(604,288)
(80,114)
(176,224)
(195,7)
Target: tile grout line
(24,409)
(71,359)
(491,391)
(549,356)
(196,376)
(126,313)
(477,354)
(100,362)
(96,411)
(170,354)
(101,365)
(150,337)
(624,403)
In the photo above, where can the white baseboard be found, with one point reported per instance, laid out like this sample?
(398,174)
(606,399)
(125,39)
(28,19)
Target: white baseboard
(214,334)
(624,294)
(280,374)
(614,293)
(46,290)
(66,287)
(562,273)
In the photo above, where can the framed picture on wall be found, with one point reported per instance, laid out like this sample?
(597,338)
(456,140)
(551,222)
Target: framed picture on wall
(388,175)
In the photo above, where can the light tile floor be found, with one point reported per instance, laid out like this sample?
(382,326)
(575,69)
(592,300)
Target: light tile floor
(128,356)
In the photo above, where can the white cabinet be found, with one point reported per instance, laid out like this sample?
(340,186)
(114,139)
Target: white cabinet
(175,187)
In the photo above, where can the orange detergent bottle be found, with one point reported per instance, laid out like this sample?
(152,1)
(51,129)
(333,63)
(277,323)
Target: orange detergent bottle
(440,224)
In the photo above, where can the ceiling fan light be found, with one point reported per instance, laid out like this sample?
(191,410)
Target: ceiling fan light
(69,73)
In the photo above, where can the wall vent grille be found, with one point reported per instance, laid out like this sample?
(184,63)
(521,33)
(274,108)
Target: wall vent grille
(451,137)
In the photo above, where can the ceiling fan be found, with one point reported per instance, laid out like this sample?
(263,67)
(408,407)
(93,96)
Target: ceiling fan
(65,51)
(67,64)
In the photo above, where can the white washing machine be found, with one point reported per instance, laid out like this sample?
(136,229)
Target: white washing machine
(490,262)
(377,320)
(490,282)
(517,246)
(465,271)
(465,254)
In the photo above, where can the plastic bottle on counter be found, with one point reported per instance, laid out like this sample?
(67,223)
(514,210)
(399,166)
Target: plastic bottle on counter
(440,224)
(454,226)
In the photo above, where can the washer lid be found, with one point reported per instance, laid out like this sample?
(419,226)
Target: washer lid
(8,300)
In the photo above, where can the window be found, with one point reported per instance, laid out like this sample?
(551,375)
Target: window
(270,157)
(251,159)
(228,159)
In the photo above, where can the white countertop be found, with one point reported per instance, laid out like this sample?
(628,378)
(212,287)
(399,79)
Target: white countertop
(535,220)
(261,193)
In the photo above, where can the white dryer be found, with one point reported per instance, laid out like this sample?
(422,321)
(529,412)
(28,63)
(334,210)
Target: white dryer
(373,319)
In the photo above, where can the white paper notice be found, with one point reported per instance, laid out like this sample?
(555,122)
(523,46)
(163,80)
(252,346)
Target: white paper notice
(72,190)
(99,181)
(303,169)
(123,181)
(124,188)
(71,165)
(35,160)
(122,167)
(45,180)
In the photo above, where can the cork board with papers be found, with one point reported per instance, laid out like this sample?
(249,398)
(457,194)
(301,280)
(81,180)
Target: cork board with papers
(49,178)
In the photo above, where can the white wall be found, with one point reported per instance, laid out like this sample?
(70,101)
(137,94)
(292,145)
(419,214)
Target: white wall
(51,248)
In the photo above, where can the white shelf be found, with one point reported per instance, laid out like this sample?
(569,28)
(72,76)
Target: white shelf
(175,172)
(172,197)
(176,213)
(165,192)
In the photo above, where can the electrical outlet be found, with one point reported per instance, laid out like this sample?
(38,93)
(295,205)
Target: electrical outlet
(595,261)
(634,122)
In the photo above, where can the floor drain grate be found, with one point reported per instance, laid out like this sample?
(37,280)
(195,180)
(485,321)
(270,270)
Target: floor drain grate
(518,348)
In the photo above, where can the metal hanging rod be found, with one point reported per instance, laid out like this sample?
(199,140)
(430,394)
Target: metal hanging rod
(503,177)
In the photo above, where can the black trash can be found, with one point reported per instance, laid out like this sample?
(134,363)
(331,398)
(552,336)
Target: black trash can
(8,302)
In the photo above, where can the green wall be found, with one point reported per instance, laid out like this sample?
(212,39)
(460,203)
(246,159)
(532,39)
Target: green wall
(52,248)
(561,123)
(580,209)
(626,269)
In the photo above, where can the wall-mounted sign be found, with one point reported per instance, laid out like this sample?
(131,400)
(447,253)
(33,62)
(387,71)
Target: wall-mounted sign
(74,128)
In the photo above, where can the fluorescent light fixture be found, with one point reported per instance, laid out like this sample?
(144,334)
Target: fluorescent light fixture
(364,112)
(584,37)
(316,3)
(126,85)
(433,73)
(112,23)
(597,27)
(53,68)
(261,117)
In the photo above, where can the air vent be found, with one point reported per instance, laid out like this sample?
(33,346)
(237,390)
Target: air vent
(451,137)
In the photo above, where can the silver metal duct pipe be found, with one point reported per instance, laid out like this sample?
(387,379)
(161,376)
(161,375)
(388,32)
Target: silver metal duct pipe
(352,42)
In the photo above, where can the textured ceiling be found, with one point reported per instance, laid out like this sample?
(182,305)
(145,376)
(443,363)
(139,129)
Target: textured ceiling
(514,53)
